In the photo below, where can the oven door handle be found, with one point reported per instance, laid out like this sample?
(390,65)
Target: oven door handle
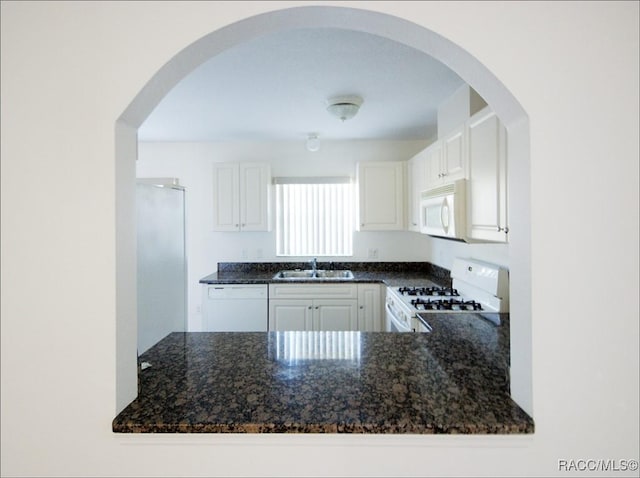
(390,310)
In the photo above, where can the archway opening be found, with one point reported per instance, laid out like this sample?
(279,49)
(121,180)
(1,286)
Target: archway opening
(392,28)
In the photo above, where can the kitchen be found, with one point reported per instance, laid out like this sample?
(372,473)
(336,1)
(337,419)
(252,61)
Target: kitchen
(69,69)
(435,132)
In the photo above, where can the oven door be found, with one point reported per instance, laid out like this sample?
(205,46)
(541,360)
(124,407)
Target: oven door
(396,318)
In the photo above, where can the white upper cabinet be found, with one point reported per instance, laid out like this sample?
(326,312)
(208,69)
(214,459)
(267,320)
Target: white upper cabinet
(433,165)
(416,183)
(487,184)
(454,157)
(381,195)
(446,160)
(241,196)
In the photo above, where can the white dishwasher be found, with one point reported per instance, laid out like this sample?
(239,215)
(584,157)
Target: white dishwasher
(235,308)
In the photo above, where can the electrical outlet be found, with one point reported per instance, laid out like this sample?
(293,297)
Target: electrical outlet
(373,253)
(198,309)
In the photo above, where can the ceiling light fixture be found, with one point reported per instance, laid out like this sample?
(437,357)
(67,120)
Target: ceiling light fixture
(344,107)
(313,142)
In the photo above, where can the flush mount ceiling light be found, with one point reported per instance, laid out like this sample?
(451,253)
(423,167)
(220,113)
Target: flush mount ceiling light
(313,142)
(344,107)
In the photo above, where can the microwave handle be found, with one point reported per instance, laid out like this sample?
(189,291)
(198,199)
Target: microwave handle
(444,210)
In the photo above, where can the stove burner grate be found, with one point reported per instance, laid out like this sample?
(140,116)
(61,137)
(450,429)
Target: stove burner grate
(429,291)
(446,304)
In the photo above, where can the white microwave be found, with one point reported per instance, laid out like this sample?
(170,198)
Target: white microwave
(443,210)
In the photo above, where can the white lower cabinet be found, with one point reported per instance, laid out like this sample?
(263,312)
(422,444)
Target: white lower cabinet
(290,314)
(369,308)
(325,307)
(335,314)
(310,314)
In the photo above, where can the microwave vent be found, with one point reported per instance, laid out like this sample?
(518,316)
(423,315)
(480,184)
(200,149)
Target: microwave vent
(444,190)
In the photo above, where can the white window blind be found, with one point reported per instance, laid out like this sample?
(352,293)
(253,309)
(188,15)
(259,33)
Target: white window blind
(314,216)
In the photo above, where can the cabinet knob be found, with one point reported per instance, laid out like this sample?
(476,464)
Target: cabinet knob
(310,307)
(243,225)
(362,306)
(237,225)
(317,307)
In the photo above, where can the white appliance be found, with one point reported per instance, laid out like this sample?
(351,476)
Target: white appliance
(161,260)
(478,287)
(443,210)
(235,308)
(398,316)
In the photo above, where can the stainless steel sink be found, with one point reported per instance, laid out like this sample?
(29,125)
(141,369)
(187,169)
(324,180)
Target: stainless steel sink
(334,274)
(311,274)
(295,274)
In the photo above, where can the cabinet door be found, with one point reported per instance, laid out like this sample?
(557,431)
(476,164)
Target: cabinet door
(254,196)
(369,308)
(226,197)
(486,193)
(416,180)
(290,314)
(433,165)
(454,155)
(381,196)
(337,314)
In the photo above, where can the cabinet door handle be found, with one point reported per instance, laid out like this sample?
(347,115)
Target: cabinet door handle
(505,229)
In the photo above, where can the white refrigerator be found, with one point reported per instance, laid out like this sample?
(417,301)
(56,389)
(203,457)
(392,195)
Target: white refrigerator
(161,260)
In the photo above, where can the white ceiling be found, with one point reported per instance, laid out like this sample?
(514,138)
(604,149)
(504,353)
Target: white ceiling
(276,88)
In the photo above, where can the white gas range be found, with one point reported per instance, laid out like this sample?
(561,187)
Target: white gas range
(477,287)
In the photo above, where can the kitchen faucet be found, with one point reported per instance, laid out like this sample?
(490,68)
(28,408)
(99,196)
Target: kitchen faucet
(314,265)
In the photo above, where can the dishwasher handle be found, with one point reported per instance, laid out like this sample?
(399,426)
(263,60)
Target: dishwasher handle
(236,291)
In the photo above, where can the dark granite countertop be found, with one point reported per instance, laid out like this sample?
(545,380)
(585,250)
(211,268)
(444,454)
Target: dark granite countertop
(389,273)
(322,382)
(452,380)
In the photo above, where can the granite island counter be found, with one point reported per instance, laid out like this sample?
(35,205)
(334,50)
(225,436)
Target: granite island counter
(452,380)
(315,382)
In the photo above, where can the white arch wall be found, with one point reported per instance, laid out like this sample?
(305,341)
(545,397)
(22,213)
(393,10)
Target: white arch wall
(69,69)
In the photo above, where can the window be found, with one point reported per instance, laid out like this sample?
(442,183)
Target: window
(314,216)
